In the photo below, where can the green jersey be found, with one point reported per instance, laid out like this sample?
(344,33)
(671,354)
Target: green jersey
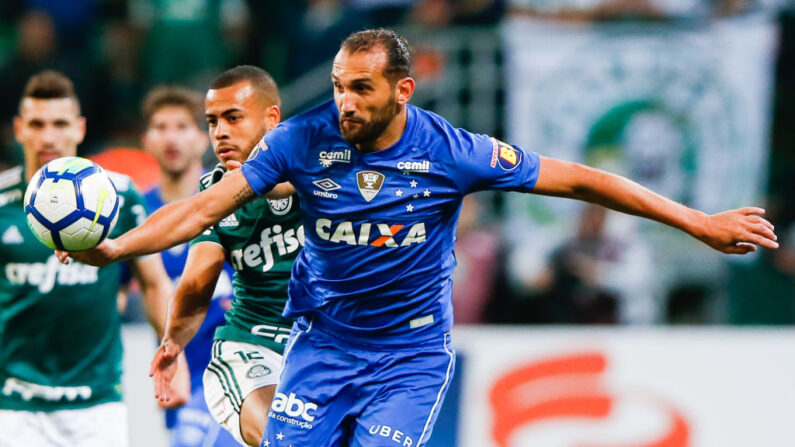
(60,341)
(261,240)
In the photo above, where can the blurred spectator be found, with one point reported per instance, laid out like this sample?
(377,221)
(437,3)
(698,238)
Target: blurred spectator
(595,278)
(74,22)
(119,52)
(188,41)
(34,52)
(439,13)
(322,26)
(476,253)
(763,291)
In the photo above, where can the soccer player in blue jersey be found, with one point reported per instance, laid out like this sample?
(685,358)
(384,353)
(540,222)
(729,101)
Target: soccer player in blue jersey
(174,135)
(381,184)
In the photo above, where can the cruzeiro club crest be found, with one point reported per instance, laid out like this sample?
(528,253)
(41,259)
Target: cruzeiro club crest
(280,207)
(369,182)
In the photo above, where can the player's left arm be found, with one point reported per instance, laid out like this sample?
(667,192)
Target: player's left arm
(736,231)
(156,289)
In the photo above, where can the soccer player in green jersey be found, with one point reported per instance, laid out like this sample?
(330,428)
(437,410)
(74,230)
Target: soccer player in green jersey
(60,341)
(260,241)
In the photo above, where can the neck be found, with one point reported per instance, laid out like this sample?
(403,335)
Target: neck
(30,168)
(389,136)
(180,186)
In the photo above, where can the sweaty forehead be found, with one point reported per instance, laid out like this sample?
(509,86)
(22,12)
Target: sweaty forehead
(361,64)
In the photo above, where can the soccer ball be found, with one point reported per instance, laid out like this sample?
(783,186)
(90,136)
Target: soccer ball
(71,204)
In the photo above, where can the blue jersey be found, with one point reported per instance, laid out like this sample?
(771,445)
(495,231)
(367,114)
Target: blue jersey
(380,226)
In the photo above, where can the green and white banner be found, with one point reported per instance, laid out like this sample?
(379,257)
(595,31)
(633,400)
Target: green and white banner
(682,109)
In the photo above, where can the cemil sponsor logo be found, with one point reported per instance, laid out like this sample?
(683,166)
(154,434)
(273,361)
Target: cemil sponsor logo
(569,388)
(327,158)
(414,166)
(373,234)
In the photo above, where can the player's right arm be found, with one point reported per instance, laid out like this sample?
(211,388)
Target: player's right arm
(736,231)
(173,224)
(187,310)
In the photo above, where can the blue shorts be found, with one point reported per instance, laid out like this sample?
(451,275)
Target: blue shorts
(337,392)
(196,427)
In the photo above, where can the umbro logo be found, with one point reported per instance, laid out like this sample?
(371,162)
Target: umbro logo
(229,221)
(327,158)
(12,236)
(327,185)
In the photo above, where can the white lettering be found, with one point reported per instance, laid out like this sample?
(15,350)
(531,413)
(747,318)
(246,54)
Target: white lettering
(45,275)
(364,234)
(251,255)
(416,235)
(344,233)
(386,231)
(418,166)
(265,243)
(237,259)
(293,406)
(28,391)
(321,228)
(328,195)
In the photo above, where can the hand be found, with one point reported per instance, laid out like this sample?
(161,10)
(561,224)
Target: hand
(231,165)
(171,377)
(103,254)
(738,231)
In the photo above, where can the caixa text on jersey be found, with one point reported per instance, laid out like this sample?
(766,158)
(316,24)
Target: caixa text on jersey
(373,234)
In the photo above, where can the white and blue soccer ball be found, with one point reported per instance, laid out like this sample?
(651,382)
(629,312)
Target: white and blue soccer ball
(71,204)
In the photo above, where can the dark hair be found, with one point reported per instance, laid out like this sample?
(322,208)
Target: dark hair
(173,96)
(49,84)
(398,51)
(260,79)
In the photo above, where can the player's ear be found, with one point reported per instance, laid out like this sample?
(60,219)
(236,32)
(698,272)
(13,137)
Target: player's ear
(17,128)
(404,88)
(81,129)
(274,115)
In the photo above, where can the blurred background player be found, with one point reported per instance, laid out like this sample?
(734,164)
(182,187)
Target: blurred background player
(60,358)
(174,135)
(261,241)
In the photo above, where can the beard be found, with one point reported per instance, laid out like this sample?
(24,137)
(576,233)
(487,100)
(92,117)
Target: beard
(368,131)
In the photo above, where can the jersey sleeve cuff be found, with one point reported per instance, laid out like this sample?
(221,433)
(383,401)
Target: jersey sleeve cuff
(259,185)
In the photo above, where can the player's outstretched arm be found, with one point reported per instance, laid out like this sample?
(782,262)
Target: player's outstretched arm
(187,309)
(173,224)
(155,291)
(736,231)
(280,191)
